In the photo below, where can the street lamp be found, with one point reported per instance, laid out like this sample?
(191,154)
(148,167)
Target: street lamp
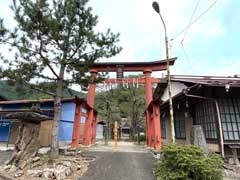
(155,6)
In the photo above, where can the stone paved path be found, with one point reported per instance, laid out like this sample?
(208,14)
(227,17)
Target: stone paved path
(130,162)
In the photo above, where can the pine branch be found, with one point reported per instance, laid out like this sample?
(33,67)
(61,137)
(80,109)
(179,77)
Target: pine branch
(45,77)
(75,51)
(84,55)
(44,58)
(38,89)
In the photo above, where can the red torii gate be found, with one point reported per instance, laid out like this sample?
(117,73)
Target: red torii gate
(153,131)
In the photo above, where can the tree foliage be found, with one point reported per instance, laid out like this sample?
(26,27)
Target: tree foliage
(49,37)
(56,42)
(188,162)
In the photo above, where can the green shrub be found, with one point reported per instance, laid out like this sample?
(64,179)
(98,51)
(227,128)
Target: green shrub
(188,162)
(142,137)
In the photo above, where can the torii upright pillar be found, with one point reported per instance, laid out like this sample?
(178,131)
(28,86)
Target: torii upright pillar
(76,127)
(89,122)
(157,126)
(148,89)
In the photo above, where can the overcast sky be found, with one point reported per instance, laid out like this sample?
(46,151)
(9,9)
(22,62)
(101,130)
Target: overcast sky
(211,44)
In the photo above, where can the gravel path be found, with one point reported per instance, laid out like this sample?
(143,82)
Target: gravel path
(129,163)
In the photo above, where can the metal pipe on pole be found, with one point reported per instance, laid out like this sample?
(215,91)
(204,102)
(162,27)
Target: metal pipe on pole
(155,6)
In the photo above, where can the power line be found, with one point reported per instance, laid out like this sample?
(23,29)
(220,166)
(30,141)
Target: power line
(185,53)
(189,24)
(185,33)
(195,20)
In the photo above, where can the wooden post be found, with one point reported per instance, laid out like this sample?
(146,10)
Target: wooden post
(115,136)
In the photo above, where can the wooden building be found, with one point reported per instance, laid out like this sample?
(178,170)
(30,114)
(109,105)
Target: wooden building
(212,102)
(72,123)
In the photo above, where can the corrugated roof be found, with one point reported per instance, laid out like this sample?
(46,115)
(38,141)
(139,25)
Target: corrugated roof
(191,80)
(33,101)
(207,80)
(76,100)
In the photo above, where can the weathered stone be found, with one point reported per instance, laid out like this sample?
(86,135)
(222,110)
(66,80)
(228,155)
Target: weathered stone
(26,144)
(18,173)
(231,175)
(34,173)
(229,167)
(35,159)
(27,116)
(68,171)
(48,173)
(231,161)
(37,164)
(71,149)
(71,153)
(44,150)
(59,166)
(13,168)
(67,163)
(7,167)
(235,156)
(23,165)
(79,167)
(198,138)
(60,173)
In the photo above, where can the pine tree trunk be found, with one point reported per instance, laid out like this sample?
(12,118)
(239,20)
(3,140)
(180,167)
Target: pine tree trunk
(55,127)
(57,115)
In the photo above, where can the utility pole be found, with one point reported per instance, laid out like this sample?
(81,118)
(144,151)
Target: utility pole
(157,9)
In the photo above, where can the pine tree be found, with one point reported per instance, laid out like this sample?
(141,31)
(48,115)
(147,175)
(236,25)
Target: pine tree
(55,41)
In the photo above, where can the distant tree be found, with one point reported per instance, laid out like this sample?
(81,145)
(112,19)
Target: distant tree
(55,41)
(107,106)
(137,107)
(121,102)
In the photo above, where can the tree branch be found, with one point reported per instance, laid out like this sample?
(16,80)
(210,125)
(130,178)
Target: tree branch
(82,56)
(38,89)
(45,77)
(75,51)
(41,55)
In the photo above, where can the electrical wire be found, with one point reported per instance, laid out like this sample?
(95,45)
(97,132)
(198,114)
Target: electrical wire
(185,33)
(189,24)
(195,20)
(185,53)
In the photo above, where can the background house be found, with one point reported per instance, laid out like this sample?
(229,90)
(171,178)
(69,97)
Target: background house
(125,129)
(212,102)
(9,127)
(100,130)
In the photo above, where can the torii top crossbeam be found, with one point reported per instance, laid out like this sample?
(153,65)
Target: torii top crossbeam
(132,66)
